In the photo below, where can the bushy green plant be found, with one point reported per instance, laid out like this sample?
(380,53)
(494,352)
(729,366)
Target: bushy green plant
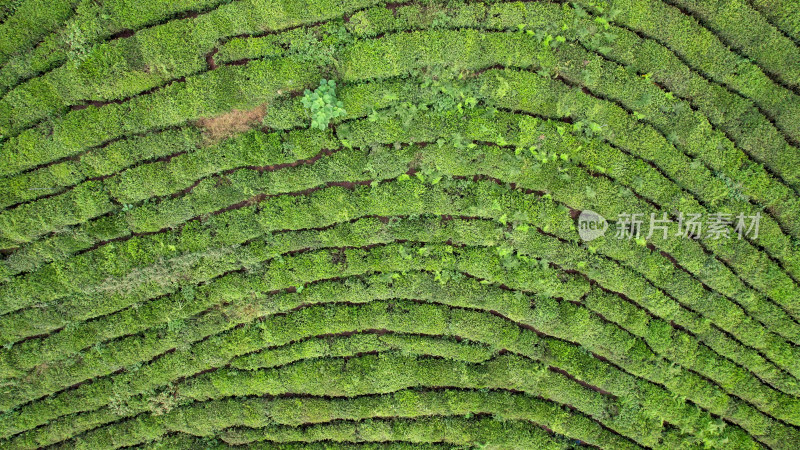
(323,104)
(77,42)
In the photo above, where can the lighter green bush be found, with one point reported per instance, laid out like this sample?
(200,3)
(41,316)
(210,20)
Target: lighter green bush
(323,104)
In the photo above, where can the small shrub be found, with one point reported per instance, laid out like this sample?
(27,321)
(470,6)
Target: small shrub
(79,46)
(323,104)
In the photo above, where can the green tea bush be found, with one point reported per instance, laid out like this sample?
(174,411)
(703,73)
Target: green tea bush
(392,259)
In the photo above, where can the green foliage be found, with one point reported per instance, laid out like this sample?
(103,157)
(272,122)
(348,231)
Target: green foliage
(410,269)
(323,105)
(77,43)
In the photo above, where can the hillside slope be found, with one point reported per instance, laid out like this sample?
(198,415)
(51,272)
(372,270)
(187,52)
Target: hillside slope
(324,224)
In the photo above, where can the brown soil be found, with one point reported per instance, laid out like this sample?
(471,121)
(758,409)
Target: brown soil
(231,123)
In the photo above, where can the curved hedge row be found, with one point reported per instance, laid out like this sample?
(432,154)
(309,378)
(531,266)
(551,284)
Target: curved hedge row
(187,260)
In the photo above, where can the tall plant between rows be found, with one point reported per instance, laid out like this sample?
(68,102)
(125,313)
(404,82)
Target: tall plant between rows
(323,104)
